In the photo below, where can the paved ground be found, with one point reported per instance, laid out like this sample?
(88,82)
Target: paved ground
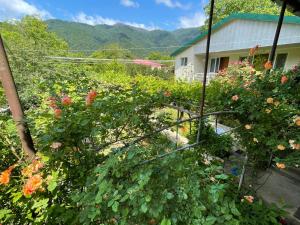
(281,187)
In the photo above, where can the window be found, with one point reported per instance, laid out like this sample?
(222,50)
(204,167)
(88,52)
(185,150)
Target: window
(214,65)
(280,61)
(184,61)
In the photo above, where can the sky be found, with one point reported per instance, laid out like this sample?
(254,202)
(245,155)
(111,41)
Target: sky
(147,14)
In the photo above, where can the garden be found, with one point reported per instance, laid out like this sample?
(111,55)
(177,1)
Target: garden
(101,157)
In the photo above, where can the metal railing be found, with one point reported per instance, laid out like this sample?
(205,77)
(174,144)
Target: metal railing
(200,76)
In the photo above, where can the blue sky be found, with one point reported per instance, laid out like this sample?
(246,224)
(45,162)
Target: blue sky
(148,14)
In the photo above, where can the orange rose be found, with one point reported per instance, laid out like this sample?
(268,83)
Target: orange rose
(280,165)
(90,98)
(32,184)
(52,102)
(253,50)
(57,113)
(34,167)
(249,198)
(284,79)
(5,175)
(167,93)
(235,98)
(268,65)
(66,101)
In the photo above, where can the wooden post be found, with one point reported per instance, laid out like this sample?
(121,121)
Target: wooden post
(211,13)
(277,33)
(13,99)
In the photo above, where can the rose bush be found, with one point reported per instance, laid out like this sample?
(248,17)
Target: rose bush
(268,109)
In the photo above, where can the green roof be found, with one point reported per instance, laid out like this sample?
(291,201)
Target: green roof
(241,16)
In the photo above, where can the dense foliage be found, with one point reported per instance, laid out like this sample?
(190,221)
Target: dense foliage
(99,159)
(267,106)
(224,8)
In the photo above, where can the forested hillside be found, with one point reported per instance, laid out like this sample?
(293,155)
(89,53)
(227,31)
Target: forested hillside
(87,37)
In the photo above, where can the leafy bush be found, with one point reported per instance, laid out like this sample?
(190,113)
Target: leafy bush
(267,106)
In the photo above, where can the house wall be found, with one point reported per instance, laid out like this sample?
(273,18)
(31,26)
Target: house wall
(245,34)
(184,72)
(235,39)
(293,57)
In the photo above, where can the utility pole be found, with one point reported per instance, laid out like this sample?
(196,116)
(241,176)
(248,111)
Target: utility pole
(13,99)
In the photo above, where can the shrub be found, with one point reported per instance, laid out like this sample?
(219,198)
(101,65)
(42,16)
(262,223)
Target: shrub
(267,106)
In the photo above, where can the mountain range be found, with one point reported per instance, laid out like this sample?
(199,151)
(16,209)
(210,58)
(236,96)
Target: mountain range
(141,42)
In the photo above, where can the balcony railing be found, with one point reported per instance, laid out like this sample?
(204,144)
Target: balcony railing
(199,77)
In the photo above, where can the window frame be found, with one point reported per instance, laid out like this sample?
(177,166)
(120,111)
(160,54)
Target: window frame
(184,61)
(214,67)
(276,60)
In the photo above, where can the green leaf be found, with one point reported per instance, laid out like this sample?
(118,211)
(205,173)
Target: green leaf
(53,181)
(166,222)
(39,205)
(16,196)
(233,209)
(222,177)
(210,220)
(144,208)
(4,213)
(170,195)
(115,206)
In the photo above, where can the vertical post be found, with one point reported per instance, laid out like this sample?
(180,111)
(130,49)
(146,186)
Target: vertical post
(211,12)
(14,102)
(278,29)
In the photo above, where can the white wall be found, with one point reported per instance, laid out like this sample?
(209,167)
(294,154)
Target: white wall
(183,72)
(235,39)
(245,34)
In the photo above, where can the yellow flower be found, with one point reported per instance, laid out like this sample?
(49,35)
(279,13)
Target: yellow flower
(280,165)
(281,147)
(297,121)
(268,111)
(248,127)
(212,179)
(270,100)
(276,103)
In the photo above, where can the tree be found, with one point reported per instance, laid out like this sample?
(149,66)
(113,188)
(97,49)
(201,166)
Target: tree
(158,56)
(113,51)
(224,8)
(28,42)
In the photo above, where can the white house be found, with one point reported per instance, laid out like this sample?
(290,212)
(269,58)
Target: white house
(231,40)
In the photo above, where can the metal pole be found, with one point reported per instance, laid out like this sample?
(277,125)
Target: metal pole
(14,103)
(278,29)
(205,68)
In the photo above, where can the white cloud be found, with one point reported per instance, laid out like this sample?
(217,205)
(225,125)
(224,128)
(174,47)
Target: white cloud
(129,3)
(15,9)
(197,20)
(173,4)
(94,20)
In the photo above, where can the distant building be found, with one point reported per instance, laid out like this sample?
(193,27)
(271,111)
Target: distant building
(149,63)
(231,40)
